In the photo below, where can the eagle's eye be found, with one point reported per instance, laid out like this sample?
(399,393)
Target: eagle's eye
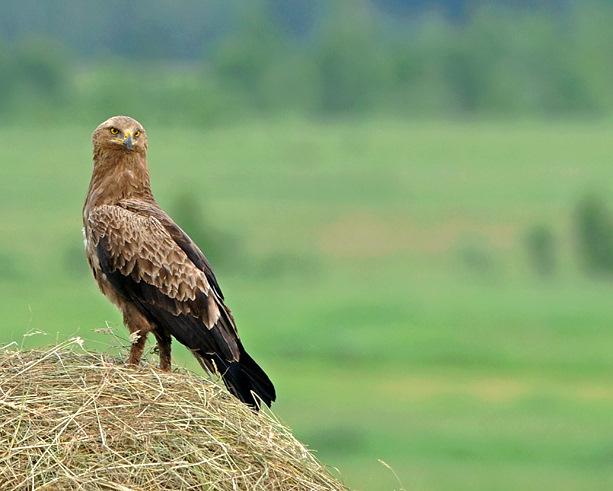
(137,133)
(114,131)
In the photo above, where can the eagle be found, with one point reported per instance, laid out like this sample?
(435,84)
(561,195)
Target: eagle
(153,272)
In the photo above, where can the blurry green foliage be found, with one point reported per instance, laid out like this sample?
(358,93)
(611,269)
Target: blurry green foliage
(352,56)
(540,243)
(594,235)
(42,67)
(225,251)
(35,77)
(353,65)
(477,257)
(219,246)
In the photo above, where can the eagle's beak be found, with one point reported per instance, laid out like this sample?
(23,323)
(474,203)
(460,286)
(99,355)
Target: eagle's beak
(128,142)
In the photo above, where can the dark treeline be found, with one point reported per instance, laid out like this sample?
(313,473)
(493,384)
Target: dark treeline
(211,61)
(184,29)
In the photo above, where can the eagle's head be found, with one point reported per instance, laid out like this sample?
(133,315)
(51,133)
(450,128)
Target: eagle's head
(120,134)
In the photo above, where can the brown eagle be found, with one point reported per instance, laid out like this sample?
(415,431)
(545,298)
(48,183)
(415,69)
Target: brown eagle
(153,272)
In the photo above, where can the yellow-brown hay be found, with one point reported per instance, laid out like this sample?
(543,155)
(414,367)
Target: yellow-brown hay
(71,419)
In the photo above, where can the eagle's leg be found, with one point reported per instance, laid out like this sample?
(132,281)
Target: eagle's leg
(138,346)
(139,327)
(164,340)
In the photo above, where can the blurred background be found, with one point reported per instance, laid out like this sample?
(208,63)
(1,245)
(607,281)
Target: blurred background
(408,204)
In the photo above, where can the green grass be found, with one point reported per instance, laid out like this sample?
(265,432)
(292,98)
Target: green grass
(349,286)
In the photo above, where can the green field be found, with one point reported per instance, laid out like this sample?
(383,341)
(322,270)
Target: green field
(377,270)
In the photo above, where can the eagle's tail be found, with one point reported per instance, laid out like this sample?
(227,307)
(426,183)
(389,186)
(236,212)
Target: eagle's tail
(246,380)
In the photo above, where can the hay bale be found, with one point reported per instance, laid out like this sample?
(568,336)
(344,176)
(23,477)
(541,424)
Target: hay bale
(71,419)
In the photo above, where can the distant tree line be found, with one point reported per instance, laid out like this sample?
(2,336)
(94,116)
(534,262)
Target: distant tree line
(492,61)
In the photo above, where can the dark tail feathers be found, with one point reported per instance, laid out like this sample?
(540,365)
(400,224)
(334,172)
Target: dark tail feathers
(245,378)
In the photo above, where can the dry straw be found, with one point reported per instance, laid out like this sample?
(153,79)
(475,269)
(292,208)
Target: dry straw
(72,419)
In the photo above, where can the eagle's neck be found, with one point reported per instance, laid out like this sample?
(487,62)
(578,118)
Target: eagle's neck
(116,177)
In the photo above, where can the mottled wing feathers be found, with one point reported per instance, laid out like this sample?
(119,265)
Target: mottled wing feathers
(186,244)
(145,264)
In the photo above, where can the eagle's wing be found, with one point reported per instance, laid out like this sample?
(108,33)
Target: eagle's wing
(148,267)
(186,244)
